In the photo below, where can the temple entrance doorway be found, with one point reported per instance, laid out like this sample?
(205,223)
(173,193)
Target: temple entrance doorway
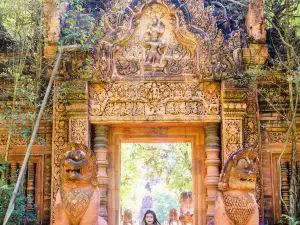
(150,137)
(157,177)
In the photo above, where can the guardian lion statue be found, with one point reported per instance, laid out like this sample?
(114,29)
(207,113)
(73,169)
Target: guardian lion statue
(78,198)
(235,203)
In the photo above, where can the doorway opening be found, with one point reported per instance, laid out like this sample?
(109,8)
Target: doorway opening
(158,177)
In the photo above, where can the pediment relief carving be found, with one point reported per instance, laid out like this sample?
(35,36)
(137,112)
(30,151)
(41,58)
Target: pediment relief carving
(161,40)
(150,43)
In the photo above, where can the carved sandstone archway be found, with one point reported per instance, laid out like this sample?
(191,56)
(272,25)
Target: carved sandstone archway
(205,161)
(151,80)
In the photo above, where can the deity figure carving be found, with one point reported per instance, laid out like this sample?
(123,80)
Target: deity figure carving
(155,46)
(173,218)
(78,198)
(235,203)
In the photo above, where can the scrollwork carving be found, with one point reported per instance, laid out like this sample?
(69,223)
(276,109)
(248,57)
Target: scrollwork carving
(78,130)
(232,138)
(60,137)
(154,99)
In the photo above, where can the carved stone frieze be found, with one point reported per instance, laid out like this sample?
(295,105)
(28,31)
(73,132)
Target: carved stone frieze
(148,100)
(280,137)
(20,140)
(234,84)
(252,135)
(234,109)
(235,96)
(73,91)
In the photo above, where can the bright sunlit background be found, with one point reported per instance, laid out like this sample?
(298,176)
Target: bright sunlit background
(153,176)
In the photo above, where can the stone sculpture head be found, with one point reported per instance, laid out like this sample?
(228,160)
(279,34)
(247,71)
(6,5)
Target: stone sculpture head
(239,172)
(78,165)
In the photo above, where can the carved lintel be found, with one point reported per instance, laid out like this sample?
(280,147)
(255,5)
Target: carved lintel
(138,100)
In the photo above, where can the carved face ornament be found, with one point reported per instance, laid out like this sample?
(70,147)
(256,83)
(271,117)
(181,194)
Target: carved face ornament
(243,175)
(78,165)
(240,171)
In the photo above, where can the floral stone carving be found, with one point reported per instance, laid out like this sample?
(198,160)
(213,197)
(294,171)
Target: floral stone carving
(235,203)
(78,198)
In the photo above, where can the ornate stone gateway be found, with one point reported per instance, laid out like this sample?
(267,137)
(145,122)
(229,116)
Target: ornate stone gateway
(156,75)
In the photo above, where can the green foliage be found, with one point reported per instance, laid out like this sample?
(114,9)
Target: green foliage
(165,201)
(289,219)
(23,20)
(172,162)
(19,214)
(80,26)
(158,164)
(19,17)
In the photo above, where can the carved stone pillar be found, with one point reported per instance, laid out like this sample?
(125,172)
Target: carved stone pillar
(234,96)
(13,171)
(212,166)
(76,95)
(30,187)
(285,184)
(101,150)
(47,188)
(59,139)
